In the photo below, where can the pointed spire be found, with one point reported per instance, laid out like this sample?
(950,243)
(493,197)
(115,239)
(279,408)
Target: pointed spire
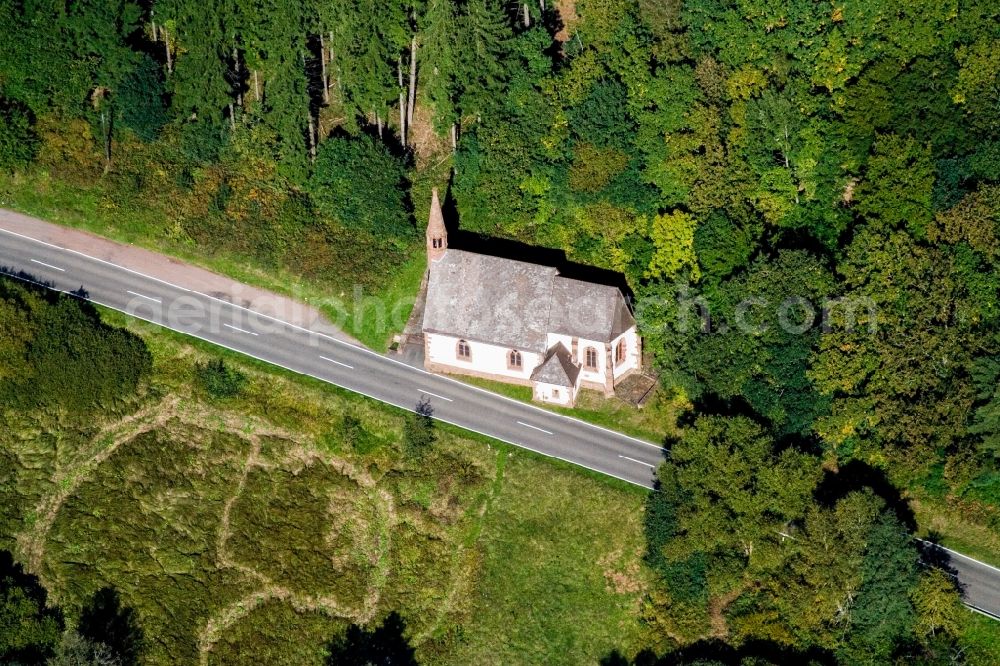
(437,234)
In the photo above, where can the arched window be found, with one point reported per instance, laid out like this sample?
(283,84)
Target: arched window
(590,358)
(514,360)
(620,352)
(436,243)
(463,350)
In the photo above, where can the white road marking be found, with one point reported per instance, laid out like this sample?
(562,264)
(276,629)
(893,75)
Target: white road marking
(528,425)
(42,263)
(87,256)
(982,611)
(955,552)
(349,367)
(404,407)
(150,298)
(359,348)
(241,330)
(637,461)
(435,395)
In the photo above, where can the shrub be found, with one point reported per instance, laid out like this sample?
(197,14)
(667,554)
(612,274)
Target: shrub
(18,142)
(358,182)
(418,431)
(219,380)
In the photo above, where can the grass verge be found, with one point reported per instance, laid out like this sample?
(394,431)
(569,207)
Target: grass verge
(655,422)
(371,316)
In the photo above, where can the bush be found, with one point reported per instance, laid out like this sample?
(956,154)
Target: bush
(60,353)
(418,431)
(140,99)
(219,380)
(362,185)
(18,142)
(29,627)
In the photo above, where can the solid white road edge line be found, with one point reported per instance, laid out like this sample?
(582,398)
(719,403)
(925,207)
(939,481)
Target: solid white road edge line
(528,425)
(87,256)
(367,395)
(349,367)
(351,344)
(977,609)
(434,394)
(42,263)
(519,445)
(955,552)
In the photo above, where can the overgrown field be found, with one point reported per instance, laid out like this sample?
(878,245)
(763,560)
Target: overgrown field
(256,528)
(359,281)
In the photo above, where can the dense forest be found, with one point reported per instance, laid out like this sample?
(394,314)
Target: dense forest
(803,197)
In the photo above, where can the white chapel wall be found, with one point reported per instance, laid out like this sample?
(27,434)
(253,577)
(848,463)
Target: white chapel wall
(485,358)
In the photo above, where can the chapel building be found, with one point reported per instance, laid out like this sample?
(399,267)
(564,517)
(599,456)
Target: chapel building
(523,323)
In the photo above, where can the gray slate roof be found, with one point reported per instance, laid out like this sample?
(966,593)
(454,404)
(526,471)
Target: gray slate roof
(557,368)
(516,304)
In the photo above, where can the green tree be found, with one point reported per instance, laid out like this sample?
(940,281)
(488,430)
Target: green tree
(673,237)
(104,620)
(898,185)
(29,628)
(18,143)
(904,301)
(358,182)
(739,494)
(882,616)
(938,605)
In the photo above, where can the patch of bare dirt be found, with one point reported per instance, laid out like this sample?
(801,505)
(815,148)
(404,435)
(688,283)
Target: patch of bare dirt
(622,577)
(717,612)
(567,12)
(428,146)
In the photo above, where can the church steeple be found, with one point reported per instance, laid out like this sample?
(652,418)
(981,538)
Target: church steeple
(437,235)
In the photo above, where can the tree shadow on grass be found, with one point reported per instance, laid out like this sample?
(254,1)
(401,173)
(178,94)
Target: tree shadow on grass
(384,645)
(857,475)
(711,652)
(31,628)
(105,620)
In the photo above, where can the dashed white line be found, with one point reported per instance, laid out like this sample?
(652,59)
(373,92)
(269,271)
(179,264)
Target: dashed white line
(528,425)
(345,343)
(435,395)
(42,263)
(149,298)
(637,461)
(349,367)
(338,341)
(241,330)
(643,485)
(87,256)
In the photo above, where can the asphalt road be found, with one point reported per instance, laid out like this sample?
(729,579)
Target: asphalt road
(331,360)
(374,375)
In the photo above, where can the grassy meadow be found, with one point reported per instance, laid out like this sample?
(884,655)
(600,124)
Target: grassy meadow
(258,527)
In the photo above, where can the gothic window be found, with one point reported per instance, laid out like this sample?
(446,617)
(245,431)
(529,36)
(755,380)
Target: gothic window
(620,352)
(464,352)
(514,360)
(590,358)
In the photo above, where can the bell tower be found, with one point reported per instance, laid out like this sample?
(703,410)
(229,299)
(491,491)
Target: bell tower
(437,235)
